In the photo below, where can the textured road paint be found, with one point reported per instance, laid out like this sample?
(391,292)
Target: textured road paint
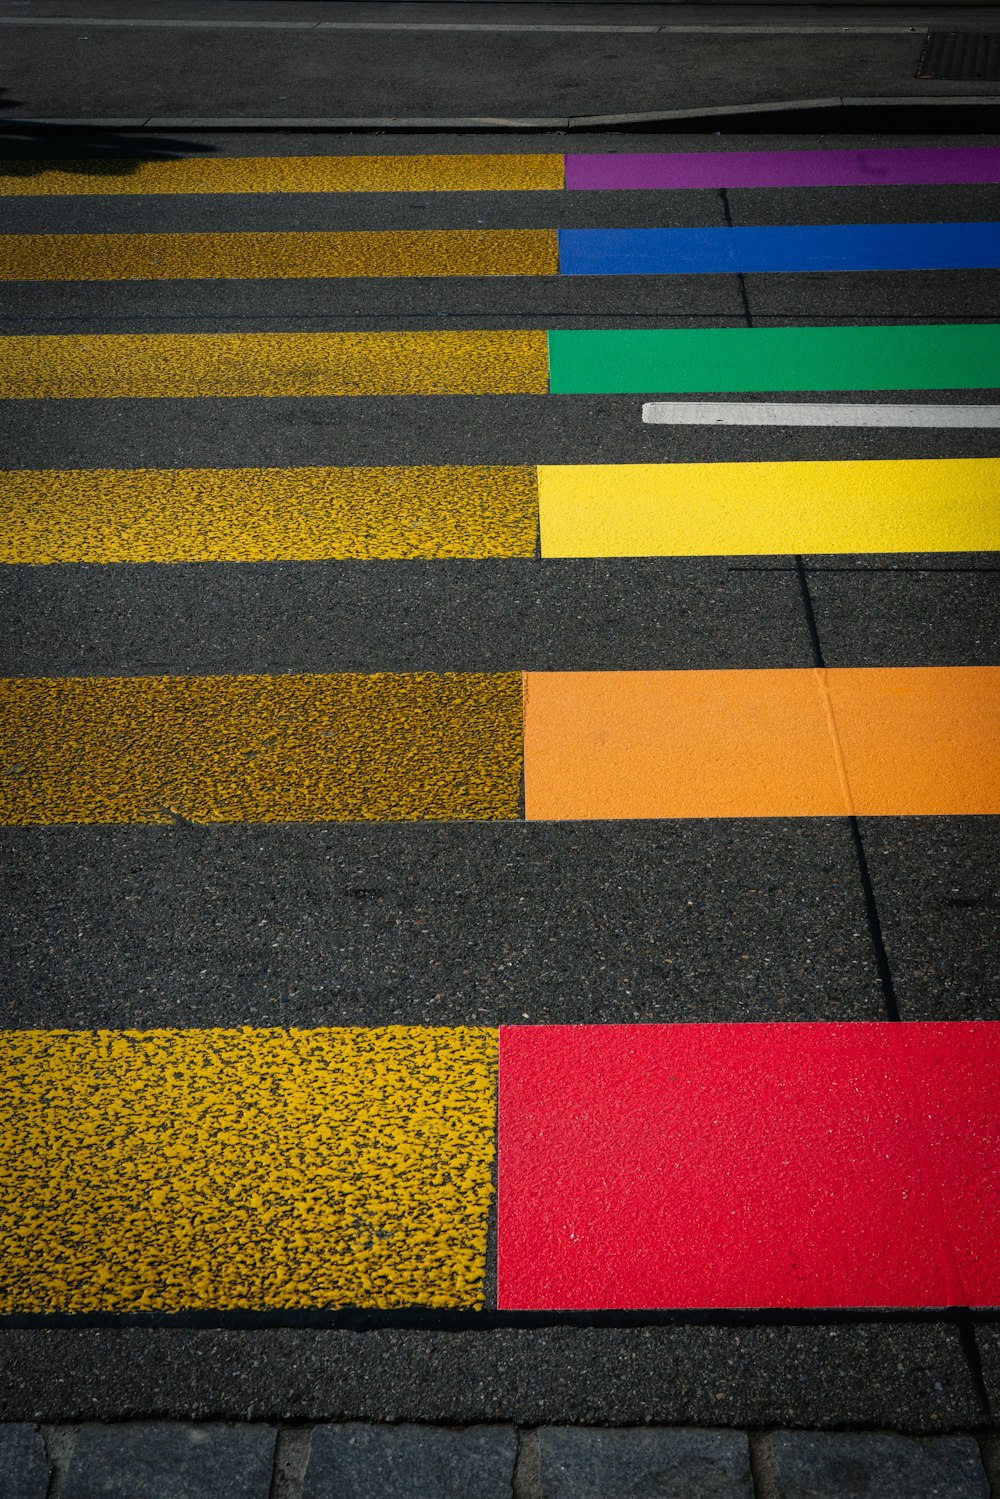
(726,509)
(160,257)
(821,1165)
(295,748)
(960,356)
(871,741)
(715,169)
(285,174)
(173,1170)
(815,414)
(140,365)
(787,247)
(253,515)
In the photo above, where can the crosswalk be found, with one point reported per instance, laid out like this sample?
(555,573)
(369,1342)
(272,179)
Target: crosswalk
(205,1166)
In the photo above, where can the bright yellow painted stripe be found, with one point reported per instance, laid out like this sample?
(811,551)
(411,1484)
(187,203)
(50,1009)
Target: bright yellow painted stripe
(295,748)
(723,509)
(207,1169)
(265,514)
(286,174)
(193,257)
(273,364)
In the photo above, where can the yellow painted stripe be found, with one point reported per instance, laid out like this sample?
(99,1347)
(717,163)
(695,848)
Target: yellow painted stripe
(208,1169)
(193,257)
(295,748)
(713,509)
(273,364)
(265,514)
(286,174)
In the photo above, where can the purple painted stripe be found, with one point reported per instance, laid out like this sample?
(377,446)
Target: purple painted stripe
(785,168)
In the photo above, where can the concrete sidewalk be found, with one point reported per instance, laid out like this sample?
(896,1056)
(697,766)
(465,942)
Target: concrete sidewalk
(172,1460)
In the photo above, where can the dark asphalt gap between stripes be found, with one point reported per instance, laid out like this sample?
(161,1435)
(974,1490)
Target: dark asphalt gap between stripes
(381,212)
(384,212)
(907,1375)
(492,615)
(496,302)
(757,919)
(286,432)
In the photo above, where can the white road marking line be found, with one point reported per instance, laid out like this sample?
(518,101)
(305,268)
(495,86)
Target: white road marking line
(814,414)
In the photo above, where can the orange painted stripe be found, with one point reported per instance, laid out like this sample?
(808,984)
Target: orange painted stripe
(799,743)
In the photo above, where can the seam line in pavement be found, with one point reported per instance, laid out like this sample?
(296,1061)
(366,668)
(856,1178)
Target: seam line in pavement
(864,874)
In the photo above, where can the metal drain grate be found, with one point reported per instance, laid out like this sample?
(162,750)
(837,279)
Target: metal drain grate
(967,55)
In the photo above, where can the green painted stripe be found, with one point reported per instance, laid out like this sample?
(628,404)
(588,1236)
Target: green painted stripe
(952,356)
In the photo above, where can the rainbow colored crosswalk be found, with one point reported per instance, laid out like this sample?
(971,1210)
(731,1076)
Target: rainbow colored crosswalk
(202,1166)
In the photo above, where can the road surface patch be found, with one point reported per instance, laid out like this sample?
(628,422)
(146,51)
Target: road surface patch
(960,356)
(294,748)
(185,1169)
(272,255)
(271,514)
(866,741)
(150,365)
(730,509)
(765,1166)
(720,169)
(749,249)
(285,174)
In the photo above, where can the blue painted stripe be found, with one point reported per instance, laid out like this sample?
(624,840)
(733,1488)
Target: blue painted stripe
(789,247)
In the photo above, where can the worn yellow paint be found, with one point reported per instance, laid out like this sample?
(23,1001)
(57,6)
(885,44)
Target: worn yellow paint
(294,748)
(272,364)
(712,509)
(265,514)
(175,1170)
(286,174)
(277,255)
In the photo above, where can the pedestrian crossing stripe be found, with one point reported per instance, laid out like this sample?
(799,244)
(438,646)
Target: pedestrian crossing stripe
(583,510)
(942,356)
(742,509)
(845,741)
(514,172)
(266,514)
(751,249)
(284,255)
(507,172)
(868,741)
(960,356)
(879,167)
(152,365)
(640,1166)
(749,1166)
(186,1169)
(389,747)
(279,255)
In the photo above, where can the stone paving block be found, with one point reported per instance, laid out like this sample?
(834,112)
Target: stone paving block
(873,1465)
(170,1460)
(24,1463)
(643,1463)
(355,1461)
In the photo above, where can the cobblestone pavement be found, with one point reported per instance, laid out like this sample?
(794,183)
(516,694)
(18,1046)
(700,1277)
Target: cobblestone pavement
(187,1460)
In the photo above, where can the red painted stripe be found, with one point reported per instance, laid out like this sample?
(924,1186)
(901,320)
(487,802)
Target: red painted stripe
(820,1165)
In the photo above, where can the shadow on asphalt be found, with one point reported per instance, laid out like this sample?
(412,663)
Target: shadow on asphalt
(28,149)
